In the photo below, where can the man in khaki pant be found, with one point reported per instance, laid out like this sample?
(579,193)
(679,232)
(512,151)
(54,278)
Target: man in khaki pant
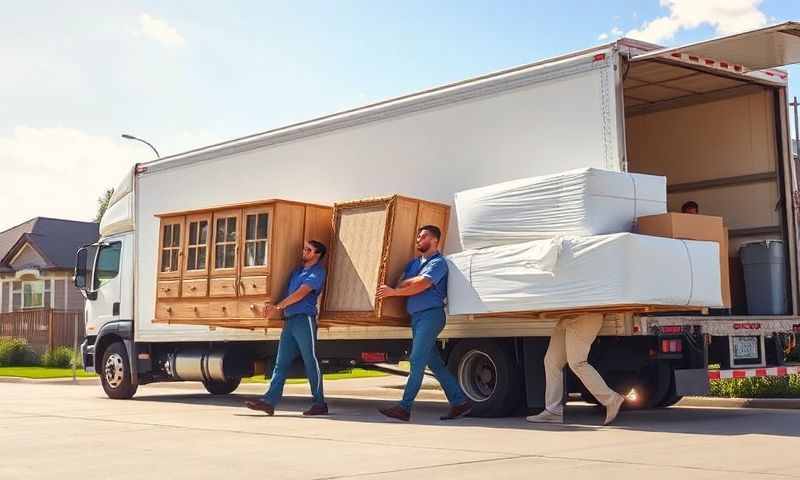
(570,343)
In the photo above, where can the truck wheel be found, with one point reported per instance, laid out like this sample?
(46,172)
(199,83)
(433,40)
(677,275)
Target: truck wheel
(222,388)
(651,384)
(116,372)
(489,376)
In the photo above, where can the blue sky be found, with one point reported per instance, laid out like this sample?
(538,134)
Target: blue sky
(191,73)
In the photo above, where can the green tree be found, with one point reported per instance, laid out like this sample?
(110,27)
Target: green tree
(102,204)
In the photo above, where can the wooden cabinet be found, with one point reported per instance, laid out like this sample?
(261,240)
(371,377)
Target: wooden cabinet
(220,266)
(373,241)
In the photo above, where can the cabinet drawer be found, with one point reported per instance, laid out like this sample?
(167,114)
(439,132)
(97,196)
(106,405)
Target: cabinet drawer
(251,309)
(168,289)
(222,309)
(181,310)
(194,288)
(222,287)
(254,286)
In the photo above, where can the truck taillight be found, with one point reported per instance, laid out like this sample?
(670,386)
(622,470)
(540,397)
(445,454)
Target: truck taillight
(373,357)
(671,346)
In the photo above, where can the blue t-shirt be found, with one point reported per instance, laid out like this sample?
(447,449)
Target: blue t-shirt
(314,277)
(434,269)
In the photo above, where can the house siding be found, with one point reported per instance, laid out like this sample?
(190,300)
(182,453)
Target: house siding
(59,294)
(75,300)
(5,301)
(28,258)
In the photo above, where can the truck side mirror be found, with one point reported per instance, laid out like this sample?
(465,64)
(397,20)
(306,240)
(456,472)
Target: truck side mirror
(82,273)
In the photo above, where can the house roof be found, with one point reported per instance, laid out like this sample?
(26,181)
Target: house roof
(55,240)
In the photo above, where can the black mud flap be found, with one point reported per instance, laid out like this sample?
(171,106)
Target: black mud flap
(691,382)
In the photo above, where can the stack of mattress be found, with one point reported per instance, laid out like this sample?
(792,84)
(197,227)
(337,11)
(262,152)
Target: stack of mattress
(582,202)
(577,272)
(562,242)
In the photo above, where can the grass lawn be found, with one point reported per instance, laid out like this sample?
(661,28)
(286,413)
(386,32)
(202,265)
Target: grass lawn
(354,373)
(42,372)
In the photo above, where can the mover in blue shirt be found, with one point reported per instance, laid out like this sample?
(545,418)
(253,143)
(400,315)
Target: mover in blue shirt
(299,335)
(424,283)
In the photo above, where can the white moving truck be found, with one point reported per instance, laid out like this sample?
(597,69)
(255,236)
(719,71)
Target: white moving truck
(711,117)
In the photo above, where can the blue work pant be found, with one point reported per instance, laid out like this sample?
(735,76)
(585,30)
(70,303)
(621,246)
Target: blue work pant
(299,335)
(425,327)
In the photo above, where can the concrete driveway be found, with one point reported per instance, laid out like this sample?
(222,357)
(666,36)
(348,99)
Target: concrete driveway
(67,431)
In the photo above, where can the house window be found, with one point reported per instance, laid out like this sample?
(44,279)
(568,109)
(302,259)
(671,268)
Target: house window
(33,294)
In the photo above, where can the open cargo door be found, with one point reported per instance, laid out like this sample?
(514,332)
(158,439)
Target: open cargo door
(754,50)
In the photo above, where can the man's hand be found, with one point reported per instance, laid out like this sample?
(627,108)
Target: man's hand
(271,312)
(385,291)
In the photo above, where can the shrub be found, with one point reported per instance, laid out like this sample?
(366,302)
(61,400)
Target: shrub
(59,357)
(16,352)
(764,387)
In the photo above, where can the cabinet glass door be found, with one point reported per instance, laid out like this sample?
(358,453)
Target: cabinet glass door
(170,247)
(226,236)
(197,235)
(256,241)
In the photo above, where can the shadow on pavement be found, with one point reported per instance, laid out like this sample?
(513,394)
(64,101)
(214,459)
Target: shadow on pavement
(687,420)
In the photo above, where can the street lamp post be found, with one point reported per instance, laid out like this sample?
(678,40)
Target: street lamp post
(131,137)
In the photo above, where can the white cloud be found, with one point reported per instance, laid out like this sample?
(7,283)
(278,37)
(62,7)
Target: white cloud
(725,16)
(58,172)
(615,32)
(160,31)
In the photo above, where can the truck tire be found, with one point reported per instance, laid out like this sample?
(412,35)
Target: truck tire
(115,375)
(222,388)
(652,385)
(489,375)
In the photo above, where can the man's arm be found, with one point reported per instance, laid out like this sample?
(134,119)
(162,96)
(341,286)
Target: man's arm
(406,288)
(295,297)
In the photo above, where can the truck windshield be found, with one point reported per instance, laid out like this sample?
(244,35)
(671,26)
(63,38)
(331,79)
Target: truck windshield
(107,264)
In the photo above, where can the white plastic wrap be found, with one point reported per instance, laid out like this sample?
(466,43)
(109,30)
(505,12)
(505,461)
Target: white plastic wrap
(617,269)
(581,202)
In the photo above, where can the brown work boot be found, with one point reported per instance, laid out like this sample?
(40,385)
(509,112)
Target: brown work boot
(317,409)
(261,406)
(458,411)
(397,412)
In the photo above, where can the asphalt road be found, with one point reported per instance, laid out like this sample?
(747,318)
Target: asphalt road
(175,432)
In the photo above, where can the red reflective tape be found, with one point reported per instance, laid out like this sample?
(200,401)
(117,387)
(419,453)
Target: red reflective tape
(676,55)
(599,57)
(780,371)
(723,64)
(739,373)
(694,59)
(710,62)
(770,74)
(761,372)
(738,68)
(714,375)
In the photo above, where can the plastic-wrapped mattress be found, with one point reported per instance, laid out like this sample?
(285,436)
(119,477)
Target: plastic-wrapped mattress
(574,272)
(579,202)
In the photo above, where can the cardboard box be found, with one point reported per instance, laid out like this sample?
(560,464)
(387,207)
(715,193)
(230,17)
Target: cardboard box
(693,227)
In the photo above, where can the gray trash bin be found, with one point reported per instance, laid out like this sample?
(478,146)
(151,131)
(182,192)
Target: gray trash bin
(764,265)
